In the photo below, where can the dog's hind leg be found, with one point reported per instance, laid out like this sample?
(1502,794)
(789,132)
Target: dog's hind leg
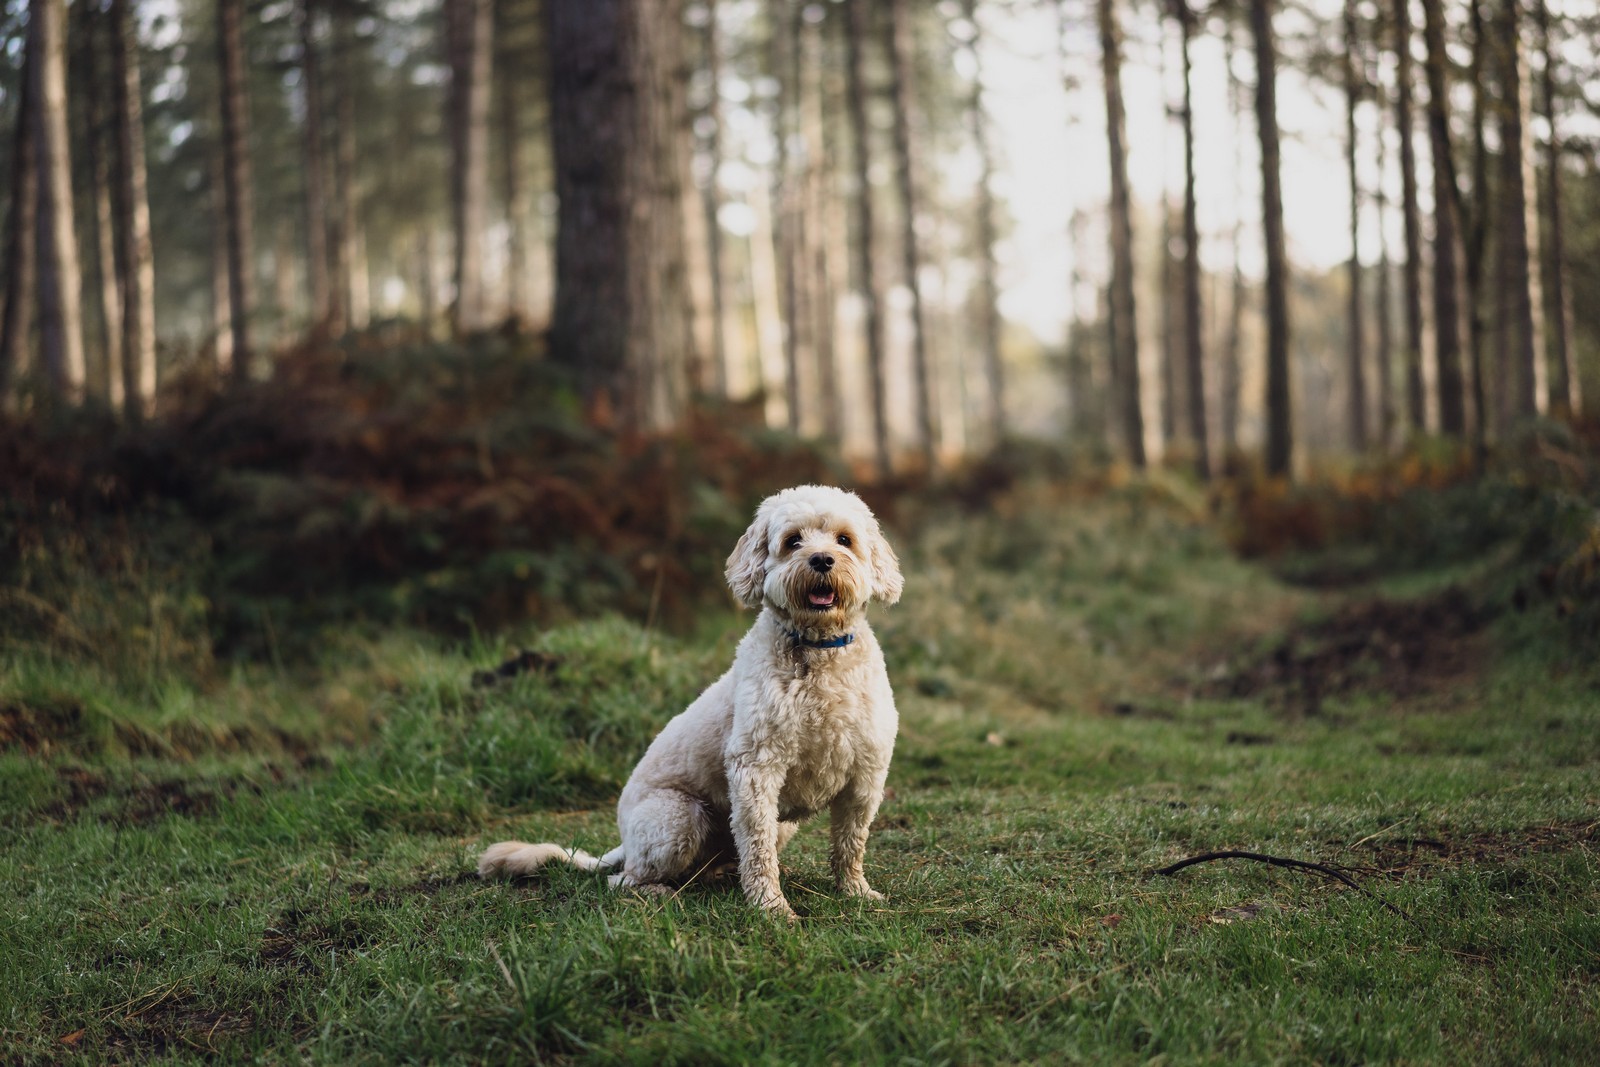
(664,837)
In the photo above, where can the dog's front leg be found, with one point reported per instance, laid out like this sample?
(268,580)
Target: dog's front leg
(753,792)
(850,818)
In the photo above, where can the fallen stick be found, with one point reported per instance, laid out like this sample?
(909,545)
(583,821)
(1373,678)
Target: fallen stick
(1282,861)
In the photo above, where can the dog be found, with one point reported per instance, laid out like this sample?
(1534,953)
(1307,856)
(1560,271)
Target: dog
(803,721)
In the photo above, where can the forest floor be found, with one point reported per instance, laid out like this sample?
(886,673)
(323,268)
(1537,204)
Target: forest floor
(276,864)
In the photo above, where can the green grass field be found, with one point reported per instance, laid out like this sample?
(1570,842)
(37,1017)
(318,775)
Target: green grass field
(274,864)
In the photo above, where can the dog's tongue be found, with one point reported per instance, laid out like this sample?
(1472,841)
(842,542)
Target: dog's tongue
(822,600)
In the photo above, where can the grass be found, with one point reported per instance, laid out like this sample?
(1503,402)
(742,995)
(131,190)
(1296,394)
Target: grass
(270,864)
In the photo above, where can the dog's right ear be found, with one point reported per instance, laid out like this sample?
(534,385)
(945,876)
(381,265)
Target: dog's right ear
(747,567)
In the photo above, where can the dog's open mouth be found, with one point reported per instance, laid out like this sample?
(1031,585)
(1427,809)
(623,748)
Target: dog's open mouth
(820,598)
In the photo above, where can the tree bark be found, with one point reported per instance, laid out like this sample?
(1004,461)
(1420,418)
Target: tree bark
(1194,348)
(1387,417)
(1356,342)
(784,223)
(349,267)
(1124,319)
(221,301)
(1477,235)
(315,167)
(1565,392)
(16,326)
(988,237)
(900,52)
(238,190)
(1231,384)
(513,190)
(823,209)
(1447,228)
(1521,327)
(621,310)
(1416,400)
(135,258)
(866,269)
(106,384)
(470,25)
(1280,440)
(711,195)
(59,279)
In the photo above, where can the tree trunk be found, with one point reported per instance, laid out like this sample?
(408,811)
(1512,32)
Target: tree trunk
(16,327)
(1565,393)
(1387,417)
(513,191)
(135,259)
(1477,235)
(105,376)
(621,312)
(470,25)
(1416,400)
(988,237)
(1231,384)
(59,279)
(316,168)
(221,302)
(349,270)
(901,47)
(1356,342)
(866,269)
(823,210)
(1280,440)
(1447,228)
(711,194)
(1194,350)
(784,244)
(240,196)
(1521,327)
(1124,319)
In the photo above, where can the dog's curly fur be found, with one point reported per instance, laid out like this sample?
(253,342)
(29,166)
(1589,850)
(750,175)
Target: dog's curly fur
(791,728)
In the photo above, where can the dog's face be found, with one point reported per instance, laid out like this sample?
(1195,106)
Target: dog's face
(815,554)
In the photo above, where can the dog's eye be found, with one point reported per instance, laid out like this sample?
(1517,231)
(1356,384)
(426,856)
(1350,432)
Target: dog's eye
(844,539)
(792,543)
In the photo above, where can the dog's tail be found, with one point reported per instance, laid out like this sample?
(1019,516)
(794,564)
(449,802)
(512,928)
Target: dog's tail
(514,858)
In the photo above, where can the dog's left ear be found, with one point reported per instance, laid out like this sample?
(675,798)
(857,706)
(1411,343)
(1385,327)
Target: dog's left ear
(747,567)
(887,583)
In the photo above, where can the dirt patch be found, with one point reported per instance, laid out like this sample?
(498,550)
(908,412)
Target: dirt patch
(1404,648)
(139,803)
(177,1024)
(40,729)
(1406,855)
(303,942)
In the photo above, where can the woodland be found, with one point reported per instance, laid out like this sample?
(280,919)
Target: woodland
(383,384)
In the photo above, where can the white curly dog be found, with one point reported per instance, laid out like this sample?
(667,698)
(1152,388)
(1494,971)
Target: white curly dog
(803,721)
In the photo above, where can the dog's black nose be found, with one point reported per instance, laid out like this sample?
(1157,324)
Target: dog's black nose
(822,563)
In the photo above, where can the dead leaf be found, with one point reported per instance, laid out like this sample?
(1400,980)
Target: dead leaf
(73,1038)
(1242,913)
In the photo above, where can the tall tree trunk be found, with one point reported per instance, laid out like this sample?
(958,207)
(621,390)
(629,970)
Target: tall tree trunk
(823,210)
(240,195)
(349,269)
(1124,319)
(1565,392)
(471,25)
(866,267)
(621,321)
(60,281)
(1446,230)
(1231,384)
(1168,280)
(1477,234)
(16,326)
(513,190)
(784,244)
(1356,342)
(988,237)
(1280,440)
(1387,416)
(105,379)
(900,48)
(711,193)
(1416,399)
(315,167)
(1194,350)
(221,302)
(135,256)
(1521,305)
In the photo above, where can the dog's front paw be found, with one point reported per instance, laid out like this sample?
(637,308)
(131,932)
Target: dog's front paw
(860,889)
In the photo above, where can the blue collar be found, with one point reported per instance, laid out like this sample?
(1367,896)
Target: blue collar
(831,642)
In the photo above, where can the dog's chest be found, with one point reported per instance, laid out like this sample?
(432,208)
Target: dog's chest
(827,745)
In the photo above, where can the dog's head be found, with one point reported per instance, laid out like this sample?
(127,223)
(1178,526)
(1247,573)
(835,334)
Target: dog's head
(815,554)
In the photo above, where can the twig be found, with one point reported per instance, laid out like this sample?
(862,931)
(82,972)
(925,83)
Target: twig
(1280,861)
